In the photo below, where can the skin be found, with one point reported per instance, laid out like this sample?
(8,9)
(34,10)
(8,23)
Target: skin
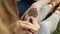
(26,27)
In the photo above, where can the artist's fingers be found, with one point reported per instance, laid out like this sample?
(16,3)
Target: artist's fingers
(29,32)
(25,24)
(35,23)
(28,25)
(28,19)
(26,32)
(23,32)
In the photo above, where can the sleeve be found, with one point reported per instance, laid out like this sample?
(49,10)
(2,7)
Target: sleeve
(50,24)
(43,12)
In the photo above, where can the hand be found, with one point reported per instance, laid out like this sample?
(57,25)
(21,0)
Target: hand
(34,26)
(24,27)
(35,23)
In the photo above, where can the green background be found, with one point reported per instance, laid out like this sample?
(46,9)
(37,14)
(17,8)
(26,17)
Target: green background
(57,31)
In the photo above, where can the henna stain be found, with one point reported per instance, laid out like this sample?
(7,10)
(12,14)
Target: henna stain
(33,12)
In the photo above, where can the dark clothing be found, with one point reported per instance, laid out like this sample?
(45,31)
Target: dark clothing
(23,6)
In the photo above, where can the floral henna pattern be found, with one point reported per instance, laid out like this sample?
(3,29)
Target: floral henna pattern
(33,12)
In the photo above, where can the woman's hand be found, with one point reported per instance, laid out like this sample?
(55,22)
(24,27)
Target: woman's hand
(25,27)
(30,25)
(21,27)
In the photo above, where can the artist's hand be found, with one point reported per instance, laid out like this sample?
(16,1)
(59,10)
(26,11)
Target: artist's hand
(25,27)
(35,23)
(30,25)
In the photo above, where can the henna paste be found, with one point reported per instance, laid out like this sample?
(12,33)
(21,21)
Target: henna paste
(33,12)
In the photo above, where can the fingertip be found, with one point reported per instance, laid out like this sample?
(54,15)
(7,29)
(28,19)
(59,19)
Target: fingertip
(32,18)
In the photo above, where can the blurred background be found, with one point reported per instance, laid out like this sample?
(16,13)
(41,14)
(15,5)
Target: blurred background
(57,31)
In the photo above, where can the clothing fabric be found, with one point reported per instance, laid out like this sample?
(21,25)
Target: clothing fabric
(43,12)
(48,26)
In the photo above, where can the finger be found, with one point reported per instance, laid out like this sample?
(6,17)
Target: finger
(35,23)
(23,32)
(23,17)
(28,19)
(30,26)
(26,32)
(35,32)
(33,19)
(27,25)
(29,32)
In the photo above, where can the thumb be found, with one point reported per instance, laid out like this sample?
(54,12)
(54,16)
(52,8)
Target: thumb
(32,20)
